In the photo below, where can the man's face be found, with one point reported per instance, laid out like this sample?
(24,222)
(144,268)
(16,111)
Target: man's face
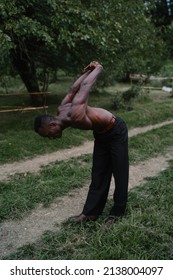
(51,130)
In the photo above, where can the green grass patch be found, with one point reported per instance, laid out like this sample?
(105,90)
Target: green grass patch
(150,144)
(145,233)
(24,191)
(19,141)
(148,113)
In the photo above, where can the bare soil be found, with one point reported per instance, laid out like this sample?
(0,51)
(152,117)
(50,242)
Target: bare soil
(14,234)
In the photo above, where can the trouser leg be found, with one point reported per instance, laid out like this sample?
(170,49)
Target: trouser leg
(101,177)
(120,165)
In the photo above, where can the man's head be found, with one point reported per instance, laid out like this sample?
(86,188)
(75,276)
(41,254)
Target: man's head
(48,126)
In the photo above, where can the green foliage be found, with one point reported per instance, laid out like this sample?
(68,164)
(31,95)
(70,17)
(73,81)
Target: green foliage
(167,69)
(117,101)
(168,36)
(131,93)
(162,17)
(69,34)
(123,100)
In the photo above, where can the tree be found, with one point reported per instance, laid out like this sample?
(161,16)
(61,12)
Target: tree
(162,12)
(52,34)
(162,16)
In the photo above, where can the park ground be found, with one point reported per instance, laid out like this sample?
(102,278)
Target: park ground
(40,231)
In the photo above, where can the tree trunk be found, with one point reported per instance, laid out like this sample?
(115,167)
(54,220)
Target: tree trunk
(26,69)
(46,80)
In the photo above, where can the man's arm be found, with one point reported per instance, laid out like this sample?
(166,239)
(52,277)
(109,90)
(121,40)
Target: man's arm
(80,101)
(82,95)
(75,87)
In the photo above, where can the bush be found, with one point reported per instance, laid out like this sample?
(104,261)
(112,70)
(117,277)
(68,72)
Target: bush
(117,101)
(131,93)
(123,100)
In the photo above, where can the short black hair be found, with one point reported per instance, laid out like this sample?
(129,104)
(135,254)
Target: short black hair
(40,120)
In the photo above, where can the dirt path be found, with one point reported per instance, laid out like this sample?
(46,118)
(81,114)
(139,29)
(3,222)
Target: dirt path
(14,234)
(34,165)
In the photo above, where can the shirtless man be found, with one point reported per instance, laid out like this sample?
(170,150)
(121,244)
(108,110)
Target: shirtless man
(110,155)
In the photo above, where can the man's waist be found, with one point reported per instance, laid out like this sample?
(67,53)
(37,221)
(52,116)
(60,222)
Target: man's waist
(109,126)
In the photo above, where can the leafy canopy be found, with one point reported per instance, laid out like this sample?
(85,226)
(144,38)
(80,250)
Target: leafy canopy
(68,34)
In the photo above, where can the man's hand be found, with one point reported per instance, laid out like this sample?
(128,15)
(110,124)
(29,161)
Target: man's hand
(92,66)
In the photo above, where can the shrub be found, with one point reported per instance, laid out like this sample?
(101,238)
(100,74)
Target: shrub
(131,93)
(123,100)
(117,101)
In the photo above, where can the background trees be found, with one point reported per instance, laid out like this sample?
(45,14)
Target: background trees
(42,36)
(162,16)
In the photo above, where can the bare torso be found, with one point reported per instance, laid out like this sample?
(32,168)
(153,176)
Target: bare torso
(96,119)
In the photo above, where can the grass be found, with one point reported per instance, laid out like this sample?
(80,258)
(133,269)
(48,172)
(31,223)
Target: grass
(145,233)
(150,144)
(22,143)
(19,141)
(24,191)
